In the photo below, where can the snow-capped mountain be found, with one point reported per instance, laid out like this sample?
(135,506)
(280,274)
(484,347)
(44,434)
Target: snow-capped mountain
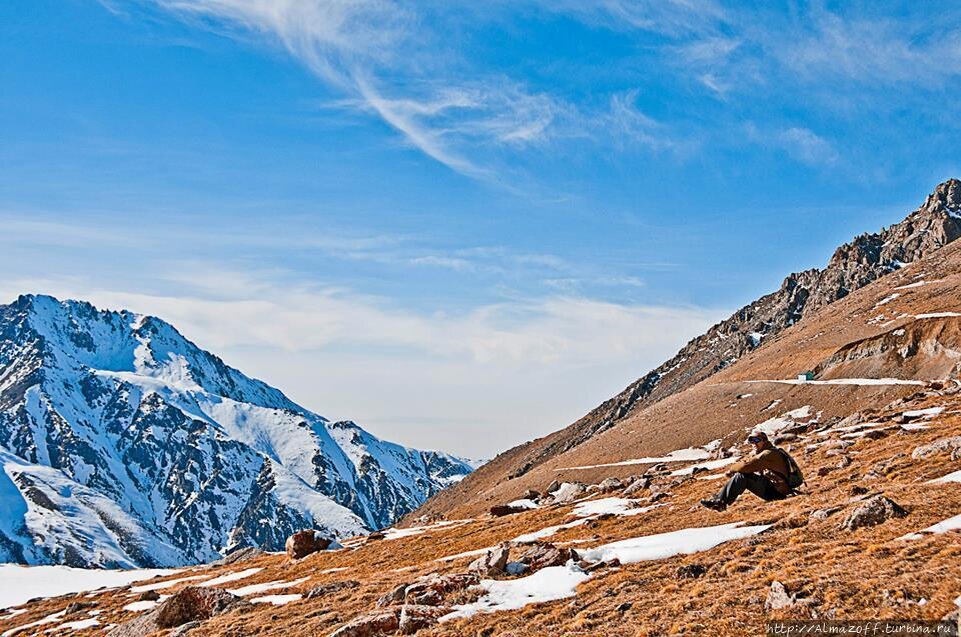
(124,444)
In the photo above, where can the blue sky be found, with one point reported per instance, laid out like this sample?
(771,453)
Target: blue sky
(461,224)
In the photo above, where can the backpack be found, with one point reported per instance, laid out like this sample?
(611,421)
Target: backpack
(794,477)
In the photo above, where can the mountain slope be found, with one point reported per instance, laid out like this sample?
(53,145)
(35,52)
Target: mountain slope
(124,444)
(869,257)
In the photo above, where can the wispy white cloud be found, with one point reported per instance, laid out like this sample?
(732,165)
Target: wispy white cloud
(327,347)
(798,142)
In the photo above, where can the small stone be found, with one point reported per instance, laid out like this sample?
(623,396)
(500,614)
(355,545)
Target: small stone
(332,587)
(373,624)
(778,598)
(691,571)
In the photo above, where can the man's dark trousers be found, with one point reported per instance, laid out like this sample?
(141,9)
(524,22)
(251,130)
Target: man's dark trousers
(753,482)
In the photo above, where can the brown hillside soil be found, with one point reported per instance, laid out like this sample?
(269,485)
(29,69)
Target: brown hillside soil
(731,399)
(867,573)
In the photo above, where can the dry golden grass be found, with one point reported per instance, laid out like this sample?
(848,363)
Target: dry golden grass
(868,573)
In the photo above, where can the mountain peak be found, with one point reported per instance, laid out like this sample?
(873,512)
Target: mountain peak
(946,197)
(160,439)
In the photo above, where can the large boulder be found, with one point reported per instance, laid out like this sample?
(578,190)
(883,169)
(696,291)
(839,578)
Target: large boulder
(303,543)
(544,554)
(873,512)
(375,624)
(195,604)
(500,510)
(492,563)
(187,607)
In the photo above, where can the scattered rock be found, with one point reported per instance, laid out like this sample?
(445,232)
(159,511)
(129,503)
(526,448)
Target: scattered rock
(76,607)
(824,514)
(414,617)
(858,490)
(590,567)
(531,494)
(516,568)
(877,510)
(637,486)
(778,598)
(432,589)
(611,484)
(183,630)
(500,510)
(944,445)
(195,604)
(784,437)
(544,554)
(691,571)
(376,536)
(149,596)
(374,624)
(552,487)
(569,491)
(843,462)
(823,471)
(875,434)
(395,596)
(657,497)
(240,555)
(303,543)
(332,587)
(623,608)
(492,563)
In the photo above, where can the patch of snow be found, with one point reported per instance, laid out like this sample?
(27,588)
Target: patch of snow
(841,381)
(394,533)
(253,589)
(663,545)
(914,426)
(565,492)
(523,504)
(22,583)
(81,624)
(617,506)
(143,588)
(49,619)
(772,426)
(755,338)
(916,284)
(886,300)
(919,413)
(951,524)
(276,600)
(678,455)
(937,315)
(709,465)
(546,585)
(546,532)
(951,477)
(140,606)
(232,577)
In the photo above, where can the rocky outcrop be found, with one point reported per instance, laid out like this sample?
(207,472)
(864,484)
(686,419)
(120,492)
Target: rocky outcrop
(188,606)
(873,512)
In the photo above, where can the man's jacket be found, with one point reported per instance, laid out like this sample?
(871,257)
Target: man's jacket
(771,464)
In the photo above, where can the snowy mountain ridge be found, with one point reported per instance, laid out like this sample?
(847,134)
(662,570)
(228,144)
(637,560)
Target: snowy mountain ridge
(124,444)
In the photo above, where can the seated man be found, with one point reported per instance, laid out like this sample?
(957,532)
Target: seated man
(764,475)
